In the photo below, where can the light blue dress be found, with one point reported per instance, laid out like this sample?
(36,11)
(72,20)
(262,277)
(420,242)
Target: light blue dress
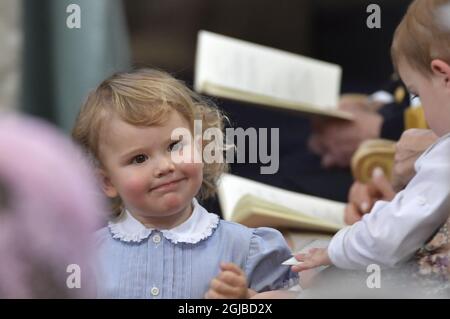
(138,262)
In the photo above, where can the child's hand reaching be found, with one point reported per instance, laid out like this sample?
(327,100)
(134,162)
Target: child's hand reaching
(231,283)
(314,258)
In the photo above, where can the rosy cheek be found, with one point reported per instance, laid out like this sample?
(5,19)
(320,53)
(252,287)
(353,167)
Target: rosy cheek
(134,187)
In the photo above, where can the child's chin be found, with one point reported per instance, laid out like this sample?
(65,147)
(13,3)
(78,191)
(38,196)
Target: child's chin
(174,202)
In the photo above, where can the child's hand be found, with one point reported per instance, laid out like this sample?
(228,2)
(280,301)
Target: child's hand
(363,196)
(411,145)
(229,284)
(314,258)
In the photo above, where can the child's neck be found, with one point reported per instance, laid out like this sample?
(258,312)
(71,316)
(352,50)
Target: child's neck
(165,222)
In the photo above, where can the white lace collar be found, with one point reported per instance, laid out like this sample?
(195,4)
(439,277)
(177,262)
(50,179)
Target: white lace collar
(200,225)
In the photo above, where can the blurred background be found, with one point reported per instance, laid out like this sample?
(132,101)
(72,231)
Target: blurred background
(41,56)
(163,33)
(47,69)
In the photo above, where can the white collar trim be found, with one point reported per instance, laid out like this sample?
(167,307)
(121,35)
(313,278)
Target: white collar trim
(199,226)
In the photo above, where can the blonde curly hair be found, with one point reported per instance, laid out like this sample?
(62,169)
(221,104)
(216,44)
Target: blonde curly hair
(422,35)
(145,97)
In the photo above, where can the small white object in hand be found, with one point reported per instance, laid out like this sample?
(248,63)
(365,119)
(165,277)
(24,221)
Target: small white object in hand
(291,262)
(318,243)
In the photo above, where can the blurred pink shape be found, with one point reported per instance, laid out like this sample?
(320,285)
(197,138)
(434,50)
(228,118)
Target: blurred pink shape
(51,206)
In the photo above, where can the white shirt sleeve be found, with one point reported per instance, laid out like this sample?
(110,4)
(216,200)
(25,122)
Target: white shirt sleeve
(394,231)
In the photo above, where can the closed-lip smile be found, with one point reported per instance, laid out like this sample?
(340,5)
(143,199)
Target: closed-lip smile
(167,184)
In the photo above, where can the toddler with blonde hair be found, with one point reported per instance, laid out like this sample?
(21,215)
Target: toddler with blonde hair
(162,243)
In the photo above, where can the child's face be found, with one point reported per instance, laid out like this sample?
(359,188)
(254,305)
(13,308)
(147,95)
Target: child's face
(138,167)
(433,91)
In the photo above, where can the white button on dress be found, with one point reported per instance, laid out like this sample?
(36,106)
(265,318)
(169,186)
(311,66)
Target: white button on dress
(154,291)
(156,239)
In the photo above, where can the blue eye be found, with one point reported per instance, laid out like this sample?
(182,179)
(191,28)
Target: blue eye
(139,159)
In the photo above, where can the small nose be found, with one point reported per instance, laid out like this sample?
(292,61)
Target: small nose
(164,166)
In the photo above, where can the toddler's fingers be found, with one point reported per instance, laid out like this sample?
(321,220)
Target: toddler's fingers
(352,214)
(302,267)
(362,197)
(301,257)
(382,184)
(223,288)
(211,294)
(232,278)
(365,203)
(231,267)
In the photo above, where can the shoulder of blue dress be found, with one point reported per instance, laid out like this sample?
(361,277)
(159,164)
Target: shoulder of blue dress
(266,231)
(101,235)
(235,229)
(259,231)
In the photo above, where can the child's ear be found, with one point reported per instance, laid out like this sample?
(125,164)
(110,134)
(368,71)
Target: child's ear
(107,187)
(442,70)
